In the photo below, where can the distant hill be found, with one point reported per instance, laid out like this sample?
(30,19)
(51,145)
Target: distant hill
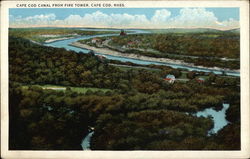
(195,30)
(234,30)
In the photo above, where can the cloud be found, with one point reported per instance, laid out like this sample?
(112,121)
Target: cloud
(43,19)
(101,19)
(192,17)
(231,23)
(162,18)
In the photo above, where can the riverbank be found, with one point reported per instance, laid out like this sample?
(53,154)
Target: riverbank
(107,51)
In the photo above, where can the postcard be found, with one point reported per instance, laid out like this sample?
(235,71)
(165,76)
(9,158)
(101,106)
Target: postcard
(125,79)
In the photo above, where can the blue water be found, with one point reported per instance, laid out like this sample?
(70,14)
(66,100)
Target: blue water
(86,141)
(219,117)
(65,44)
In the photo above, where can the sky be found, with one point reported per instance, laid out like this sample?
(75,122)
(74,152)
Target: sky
(218,18)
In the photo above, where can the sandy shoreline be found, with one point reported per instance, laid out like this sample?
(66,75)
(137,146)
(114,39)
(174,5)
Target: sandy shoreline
(107,51)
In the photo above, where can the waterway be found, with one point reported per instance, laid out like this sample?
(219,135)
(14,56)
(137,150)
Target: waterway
(217,116)
(65,44)
(86,141)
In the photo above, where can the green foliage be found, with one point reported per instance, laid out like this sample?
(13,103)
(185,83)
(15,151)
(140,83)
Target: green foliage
(142,112)
(146,129)
(203,49)
(34,64)
(191,75)
(229,137)
(53,120)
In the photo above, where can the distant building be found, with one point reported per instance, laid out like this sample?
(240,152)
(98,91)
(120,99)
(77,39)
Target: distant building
(200,80)
(170,78)
(96,40)
(122,33)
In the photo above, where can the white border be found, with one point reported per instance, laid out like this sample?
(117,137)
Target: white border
(245,140)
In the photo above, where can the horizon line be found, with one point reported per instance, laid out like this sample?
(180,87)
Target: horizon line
(144,28)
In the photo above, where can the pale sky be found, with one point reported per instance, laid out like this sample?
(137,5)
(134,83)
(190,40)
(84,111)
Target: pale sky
(218,18)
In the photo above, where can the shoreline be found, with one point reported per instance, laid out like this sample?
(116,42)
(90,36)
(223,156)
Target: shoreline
(107,51)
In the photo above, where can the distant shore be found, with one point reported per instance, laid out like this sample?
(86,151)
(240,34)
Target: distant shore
(107,51)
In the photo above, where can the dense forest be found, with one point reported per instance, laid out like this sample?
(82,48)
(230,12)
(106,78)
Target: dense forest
(193,44)
(141,111)
(221,49)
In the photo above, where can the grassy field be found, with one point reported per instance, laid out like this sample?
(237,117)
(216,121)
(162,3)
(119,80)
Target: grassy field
(85,89)
(74,89)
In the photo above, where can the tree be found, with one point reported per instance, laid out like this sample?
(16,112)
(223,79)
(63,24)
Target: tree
(191,75)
